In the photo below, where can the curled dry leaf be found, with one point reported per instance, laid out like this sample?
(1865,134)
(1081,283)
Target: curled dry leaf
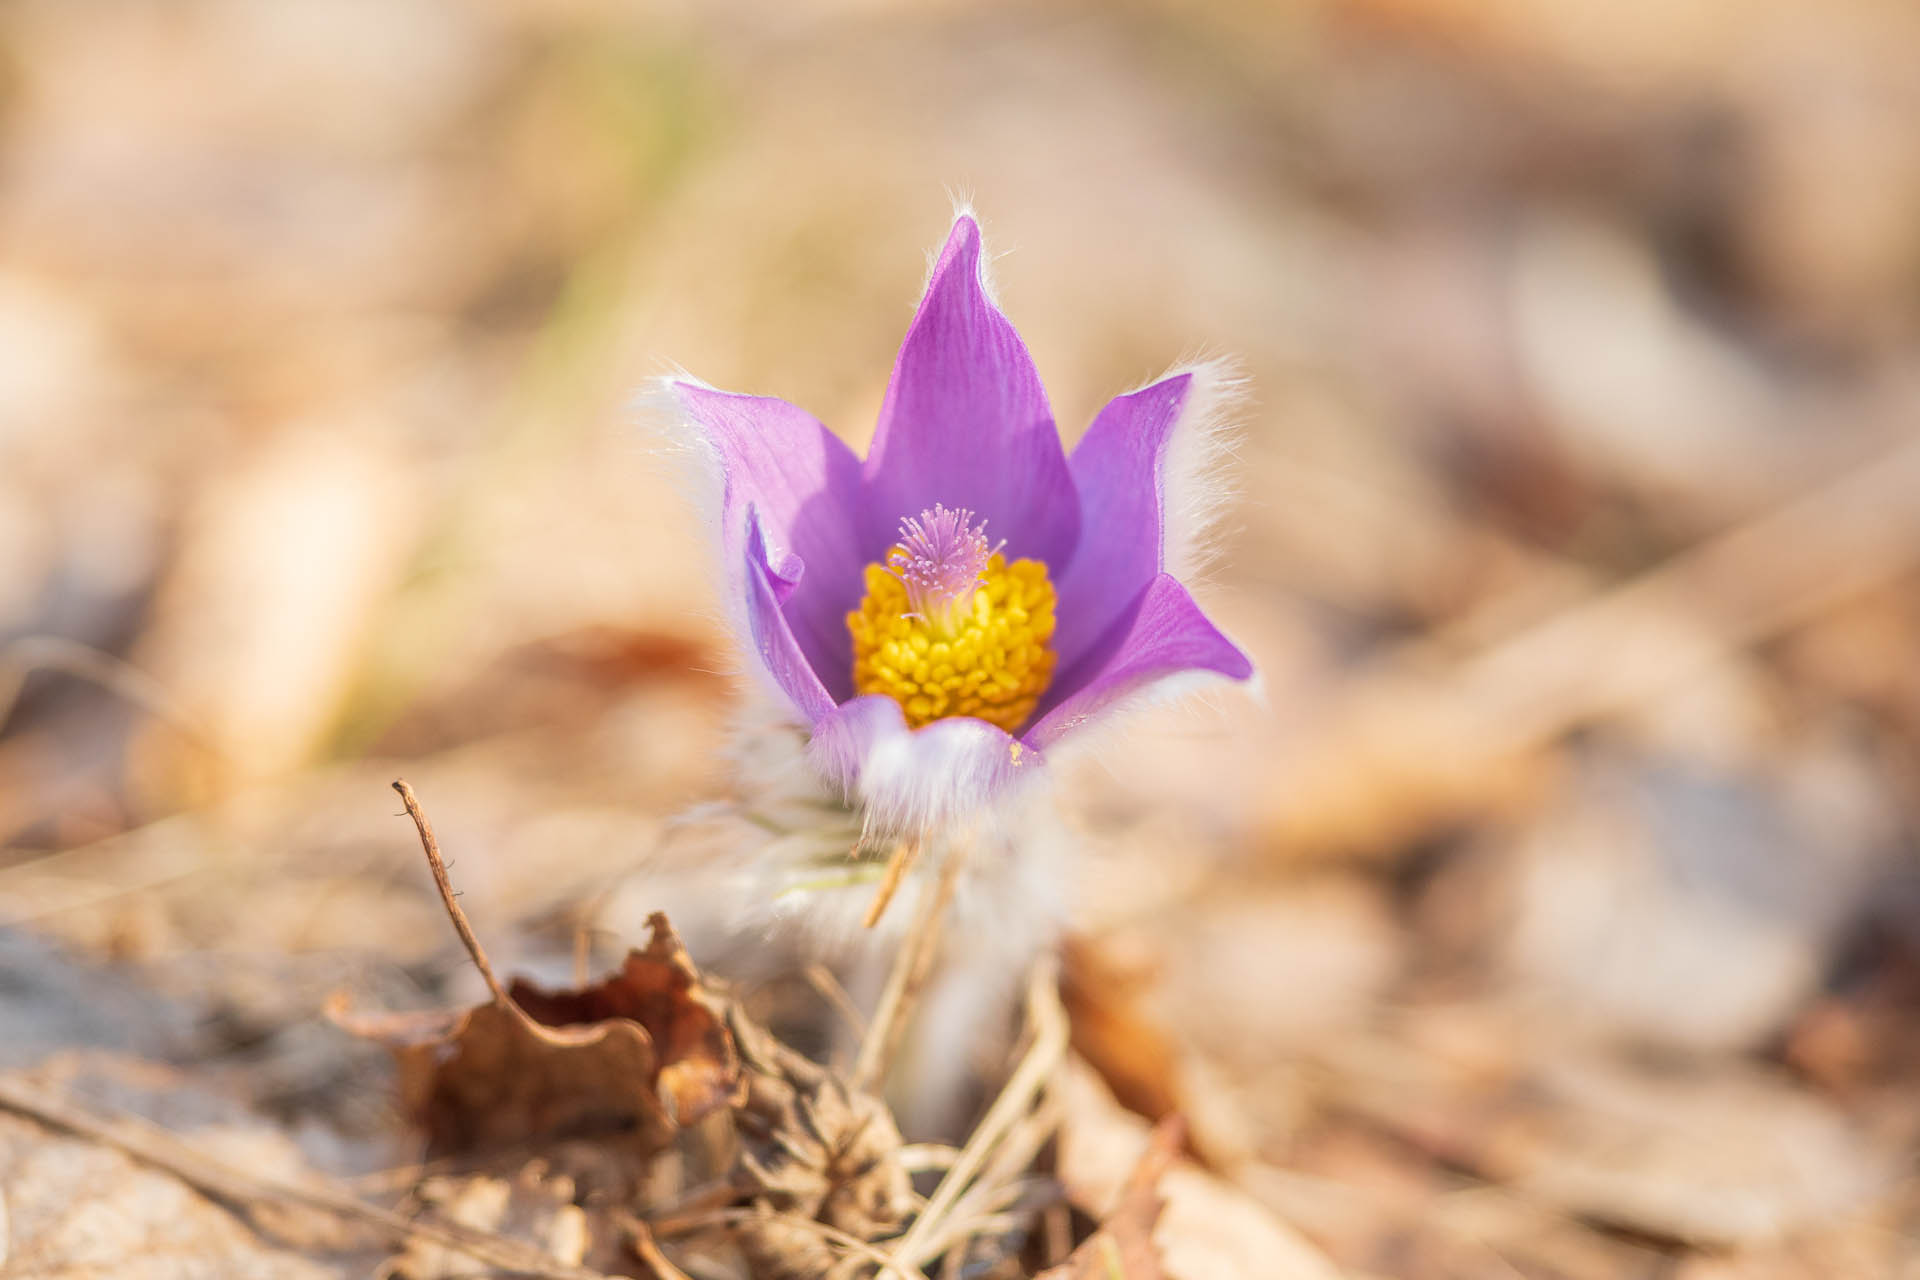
(646,1051)
(696,1069)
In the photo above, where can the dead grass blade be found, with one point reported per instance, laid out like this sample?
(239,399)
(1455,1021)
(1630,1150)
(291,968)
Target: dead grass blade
(246,1191)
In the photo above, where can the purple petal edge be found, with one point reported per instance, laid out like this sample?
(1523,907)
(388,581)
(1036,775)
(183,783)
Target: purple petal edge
(1118,472)
(965,421)
(916,779)
(768,579)
(1164,634)
(805,485)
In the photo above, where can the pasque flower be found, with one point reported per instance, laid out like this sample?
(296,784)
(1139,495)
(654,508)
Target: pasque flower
(942,615)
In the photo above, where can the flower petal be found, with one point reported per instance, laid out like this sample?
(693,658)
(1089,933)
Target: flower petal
(1117,470)
(917,779)
(769,578)
(1163,634)
(966,423)
(805,483)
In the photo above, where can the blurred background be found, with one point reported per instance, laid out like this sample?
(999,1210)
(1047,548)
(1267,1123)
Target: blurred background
(1554,909)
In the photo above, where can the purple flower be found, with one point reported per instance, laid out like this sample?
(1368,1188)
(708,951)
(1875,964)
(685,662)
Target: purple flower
(942,615)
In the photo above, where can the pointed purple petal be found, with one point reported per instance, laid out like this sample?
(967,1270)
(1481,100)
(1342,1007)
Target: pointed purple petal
(919,779)
(806,485)
(768,579)
(1118,471)
(1164,634)
(965,421)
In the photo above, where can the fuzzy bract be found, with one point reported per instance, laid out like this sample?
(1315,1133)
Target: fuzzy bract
(991,665)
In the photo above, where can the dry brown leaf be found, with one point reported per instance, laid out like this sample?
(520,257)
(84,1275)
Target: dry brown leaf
(644,1050)
(1123,1246)
(1208,1228)
(1132,1053)
(660,990)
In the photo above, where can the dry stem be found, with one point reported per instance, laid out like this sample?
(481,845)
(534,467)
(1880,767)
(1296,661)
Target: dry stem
(451,901)
(901,859)
(911,966)
(926,1239)
(448,898)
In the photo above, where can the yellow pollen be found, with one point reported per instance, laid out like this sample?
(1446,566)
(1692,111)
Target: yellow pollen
(992,660)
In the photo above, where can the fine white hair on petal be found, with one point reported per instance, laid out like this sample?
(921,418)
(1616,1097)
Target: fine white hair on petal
(963,208)
(902,788)
(935,777)
(1196,480)
(700,476)
(961,198)
(1120,719)
(660,412)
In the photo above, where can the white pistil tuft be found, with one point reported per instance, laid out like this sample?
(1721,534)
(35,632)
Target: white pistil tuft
(941,560)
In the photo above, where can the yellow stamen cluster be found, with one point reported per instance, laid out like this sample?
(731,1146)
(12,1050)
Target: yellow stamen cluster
(992,658)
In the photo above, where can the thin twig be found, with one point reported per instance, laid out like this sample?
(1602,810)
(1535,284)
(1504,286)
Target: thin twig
(451,901)
(154,1146)
(911,966)
(898,863)
(1049,1022)
(448,899)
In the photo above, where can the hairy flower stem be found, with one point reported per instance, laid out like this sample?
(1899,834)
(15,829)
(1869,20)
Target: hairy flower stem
(912,965)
